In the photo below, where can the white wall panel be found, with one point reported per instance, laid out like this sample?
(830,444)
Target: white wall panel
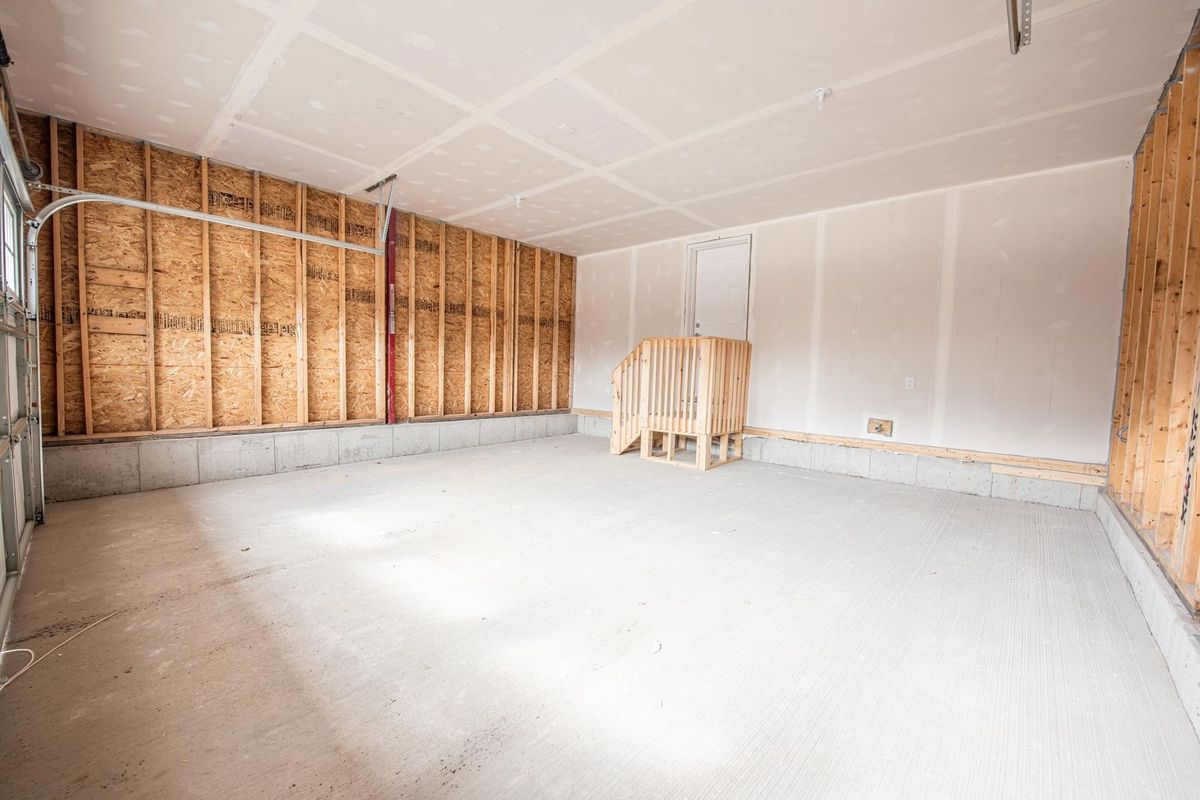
(601,325)
(1001,300)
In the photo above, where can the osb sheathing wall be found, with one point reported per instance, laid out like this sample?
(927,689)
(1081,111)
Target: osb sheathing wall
(198,326)
(1153,449)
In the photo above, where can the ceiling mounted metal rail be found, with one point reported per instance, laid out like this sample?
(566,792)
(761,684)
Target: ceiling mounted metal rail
(1020,24)
(37,222)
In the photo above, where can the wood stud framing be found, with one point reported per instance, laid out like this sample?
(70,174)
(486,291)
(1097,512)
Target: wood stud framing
(1152,459)
(495,350)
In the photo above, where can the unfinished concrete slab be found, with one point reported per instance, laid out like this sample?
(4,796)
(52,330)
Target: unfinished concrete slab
(552,628)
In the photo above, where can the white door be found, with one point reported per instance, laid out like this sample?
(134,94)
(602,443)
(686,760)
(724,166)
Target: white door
(722,288)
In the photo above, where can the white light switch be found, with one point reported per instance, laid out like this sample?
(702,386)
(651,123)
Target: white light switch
(910,383)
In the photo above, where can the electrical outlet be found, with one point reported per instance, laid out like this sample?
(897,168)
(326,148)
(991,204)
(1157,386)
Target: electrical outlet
(879,427)
(910,383)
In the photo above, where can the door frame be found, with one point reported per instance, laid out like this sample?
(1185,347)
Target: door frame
(693,254)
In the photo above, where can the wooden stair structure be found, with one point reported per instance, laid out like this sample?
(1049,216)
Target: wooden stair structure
(673,392)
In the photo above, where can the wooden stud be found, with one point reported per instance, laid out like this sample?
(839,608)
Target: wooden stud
(80,236)
(341,261)
(56,239)
(152,379)
(537,326)
(380,321)
(492,349)
(412,313)
(554,333)
(469,308)
(441,405)
(301,308)
(257,310)
(206,290)
(1168,331)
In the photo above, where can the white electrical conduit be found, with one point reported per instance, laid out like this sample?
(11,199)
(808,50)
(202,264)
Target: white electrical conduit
(35,224)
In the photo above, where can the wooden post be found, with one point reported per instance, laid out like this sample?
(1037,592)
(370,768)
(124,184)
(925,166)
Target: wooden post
(56,233)
(441,403)
(206,294)
(492,349)
(152,378)
(257,310)
(554,334)
(412,313)
(341,261)
(382,389)
(537,326)
(301,308)
(468,310)
(80,258)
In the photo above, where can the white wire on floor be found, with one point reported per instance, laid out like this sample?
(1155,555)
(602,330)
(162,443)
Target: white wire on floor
(34,659)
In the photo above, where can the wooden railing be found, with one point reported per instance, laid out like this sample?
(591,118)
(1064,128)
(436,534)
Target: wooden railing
(672,392)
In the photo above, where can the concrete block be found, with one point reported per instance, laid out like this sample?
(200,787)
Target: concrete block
(785,453)
(893,467)
(73,472)
(752,448)
(413,438)
(600,426)
(841,460)
(498,430)
(224,458)
(560,424)
(1037,490)
(364,444)
(459,434)
(305,449)
(531,427)
(953,475)
(168,462)
(1089,497)
(1175,631)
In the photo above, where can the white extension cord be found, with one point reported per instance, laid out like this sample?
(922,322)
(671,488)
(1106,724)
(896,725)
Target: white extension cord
(34,659)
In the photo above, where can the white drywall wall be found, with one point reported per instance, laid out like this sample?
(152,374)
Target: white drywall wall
(1001,300)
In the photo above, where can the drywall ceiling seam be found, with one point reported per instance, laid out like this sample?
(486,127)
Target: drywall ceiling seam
(855,161)
(736,230)
(814,331)
(257,69)
(886,71)
(486,113)
(945,318)
(606,171)
(312,148)
(623,114)
(926,143)
(383,65)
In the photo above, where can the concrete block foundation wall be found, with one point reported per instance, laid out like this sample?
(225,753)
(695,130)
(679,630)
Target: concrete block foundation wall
(968,477)
(77,471)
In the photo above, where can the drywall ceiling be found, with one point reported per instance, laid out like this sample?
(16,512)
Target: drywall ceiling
(619,122)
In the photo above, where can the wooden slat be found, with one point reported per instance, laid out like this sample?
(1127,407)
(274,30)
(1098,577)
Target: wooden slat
(341,262)
(508,388)
(60,406)
(554,346)
(441,383)
(206,294)
(492,349)
(148,280)
(257,310)
(1142,311)
(301,308)
(1124,368)
(84,349)
(1158,307)
(412,313)
(469,312)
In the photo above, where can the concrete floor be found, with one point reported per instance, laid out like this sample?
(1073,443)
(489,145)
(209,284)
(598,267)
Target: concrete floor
(543,620)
